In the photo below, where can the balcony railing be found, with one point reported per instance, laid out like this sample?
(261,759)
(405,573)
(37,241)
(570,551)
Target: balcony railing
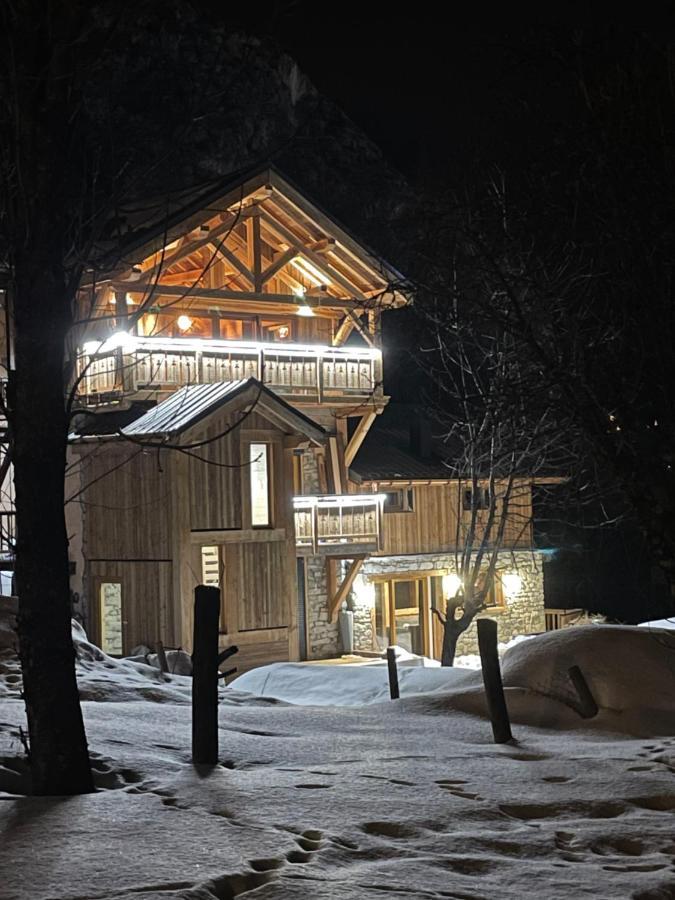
(339,522)
(126,364)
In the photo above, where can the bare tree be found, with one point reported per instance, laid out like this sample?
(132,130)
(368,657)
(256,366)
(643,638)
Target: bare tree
(100,106)
(500,437)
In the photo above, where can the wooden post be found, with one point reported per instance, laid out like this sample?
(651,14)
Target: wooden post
(393,674)
(205,676)
(492,679)
(586,707)
(161,656)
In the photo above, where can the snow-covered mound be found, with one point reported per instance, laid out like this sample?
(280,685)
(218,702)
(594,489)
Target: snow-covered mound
(630,672)
(659,623)
(356,684)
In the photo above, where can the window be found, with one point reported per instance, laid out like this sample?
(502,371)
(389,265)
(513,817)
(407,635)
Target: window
(276,330)
(480,498)
(210,566)
(110,598)
(260,485)
(399,501)
(494,598)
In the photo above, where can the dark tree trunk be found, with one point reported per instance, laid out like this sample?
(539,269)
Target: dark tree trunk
(58,746)
(453,629)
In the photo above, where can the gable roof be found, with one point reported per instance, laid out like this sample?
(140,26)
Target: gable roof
(191,404)
(158,223)
(387,452)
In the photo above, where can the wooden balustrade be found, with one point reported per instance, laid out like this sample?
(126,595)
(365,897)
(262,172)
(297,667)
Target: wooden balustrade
(338,522)
(147,364)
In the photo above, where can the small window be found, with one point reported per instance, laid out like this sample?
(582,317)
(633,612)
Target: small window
(400,501)
(210,566)
(480,498)
(110,598)
(494,598)
(260,485)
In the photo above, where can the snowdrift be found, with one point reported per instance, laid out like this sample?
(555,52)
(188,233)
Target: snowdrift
(630,671)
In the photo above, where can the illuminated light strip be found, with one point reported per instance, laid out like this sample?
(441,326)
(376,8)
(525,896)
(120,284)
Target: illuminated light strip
(338,500)
(177,345)
(310,271)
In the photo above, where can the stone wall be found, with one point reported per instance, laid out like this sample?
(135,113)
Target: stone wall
(322,635)
(521,614)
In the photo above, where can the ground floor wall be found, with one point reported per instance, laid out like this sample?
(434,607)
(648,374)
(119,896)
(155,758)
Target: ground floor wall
(521,610)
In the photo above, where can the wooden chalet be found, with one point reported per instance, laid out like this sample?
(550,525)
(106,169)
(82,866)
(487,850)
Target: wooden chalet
(230,384)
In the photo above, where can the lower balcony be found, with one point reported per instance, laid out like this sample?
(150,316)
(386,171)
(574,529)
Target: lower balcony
(126,364)
(338,524)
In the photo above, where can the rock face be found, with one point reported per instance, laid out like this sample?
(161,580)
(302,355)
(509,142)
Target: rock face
(200,105)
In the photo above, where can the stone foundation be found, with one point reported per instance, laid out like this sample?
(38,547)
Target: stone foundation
(521,614)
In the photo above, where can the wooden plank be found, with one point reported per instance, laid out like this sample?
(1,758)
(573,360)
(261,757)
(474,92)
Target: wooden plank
(345,587)
(358,437)
(239,536)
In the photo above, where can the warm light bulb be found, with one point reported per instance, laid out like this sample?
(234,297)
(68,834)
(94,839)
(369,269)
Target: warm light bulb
(184,323)
(512,583)
(451,585)
(305,310)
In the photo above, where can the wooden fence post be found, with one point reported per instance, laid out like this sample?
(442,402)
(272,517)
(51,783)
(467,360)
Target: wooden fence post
(586,707)
(161,656)
(393,673)
(205,676)
(492,679)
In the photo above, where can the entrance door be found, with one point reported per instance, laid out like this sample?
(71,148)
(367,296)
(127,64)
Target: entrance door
(402,614)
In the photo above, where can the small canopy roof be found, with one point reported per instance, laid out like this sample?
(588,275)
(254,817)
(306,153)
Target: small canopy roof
(191,404)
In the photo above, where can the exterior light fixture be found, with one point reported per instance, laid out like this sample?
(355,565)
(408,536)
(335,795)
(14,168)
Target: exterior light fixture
(451,584)
(184,323)
(512,583)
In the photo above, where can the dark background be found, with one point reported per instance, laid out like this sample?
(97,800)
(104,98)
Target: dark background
(442,97)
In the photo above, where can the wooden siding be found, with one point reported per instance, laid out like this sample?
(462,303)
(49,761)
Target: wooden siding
(126,503)
(432,525)
(148,612)
(215,479)
(256,583)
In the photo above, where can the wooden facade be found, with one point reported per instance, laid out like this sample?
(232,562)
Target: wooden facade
(149,512)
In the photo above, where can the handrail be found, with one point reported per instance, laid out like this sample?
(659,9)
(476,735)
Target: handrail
(335,520)
(126,363)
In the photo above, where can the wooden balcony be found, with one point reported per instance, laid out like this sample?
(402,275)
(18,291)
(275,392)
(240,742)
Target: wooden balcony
(338,524)
(305,373)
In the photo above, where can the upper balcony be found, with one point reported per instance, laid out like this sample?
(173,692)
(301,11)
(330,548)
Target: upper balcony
(305,374)
(338,523)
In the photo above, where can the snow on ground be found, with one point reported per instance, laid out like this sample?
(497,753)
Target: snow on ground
(659,623)
(390,799)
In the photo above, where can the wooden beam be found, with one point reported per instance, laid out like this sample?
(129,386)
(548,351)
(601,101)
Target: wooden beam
(257,253)
(200,293)
(341,593)
(317,259)
(361,330)
(357,438)
(185,249)
(335,464)
(234,260)
(344,330)
(279,263)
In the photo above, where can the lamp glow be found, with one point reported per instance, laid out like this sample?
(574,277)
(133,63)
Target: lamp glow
(304,310)
(451,584)
(364,593)
(512,583)
(184,323)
